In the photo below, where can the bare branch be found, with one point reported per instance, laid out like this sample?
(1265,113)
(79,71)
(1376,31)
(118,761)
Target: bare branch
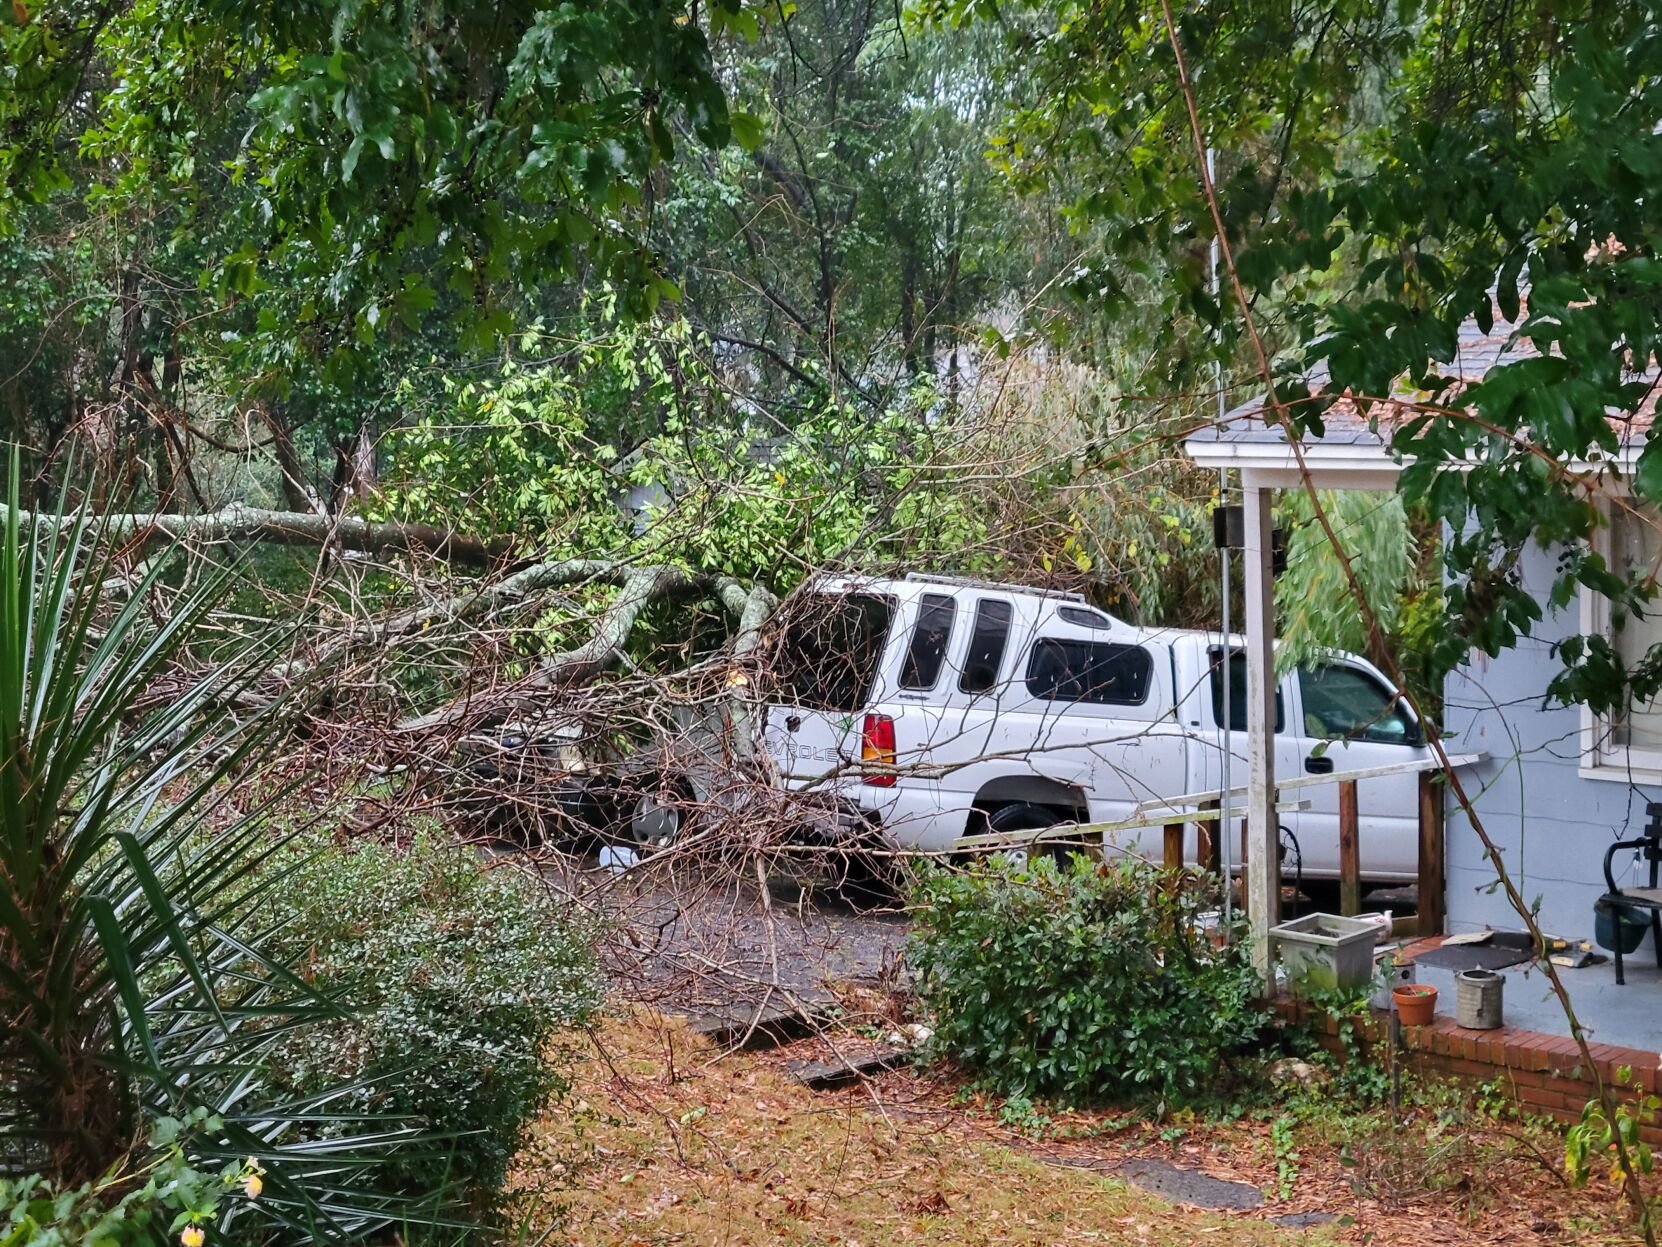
(294,528)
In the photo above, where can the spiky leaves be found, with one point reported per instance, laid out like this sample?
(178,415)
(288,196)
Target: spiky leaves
(132,981)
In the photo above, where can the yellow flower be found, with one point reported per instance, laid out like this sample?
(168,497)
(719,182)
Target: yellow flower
(192,1236)
(251,1185)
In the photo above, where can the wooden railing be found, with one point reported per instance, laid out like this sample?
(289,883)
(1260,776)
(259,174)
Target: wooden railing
(1203,808)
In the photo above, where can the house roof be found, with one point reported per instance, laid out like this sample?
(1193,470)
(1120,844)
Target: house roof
(1354,449)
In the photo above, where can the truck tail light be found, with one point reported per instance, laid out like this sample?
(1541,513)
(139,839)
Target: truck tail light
(877,748)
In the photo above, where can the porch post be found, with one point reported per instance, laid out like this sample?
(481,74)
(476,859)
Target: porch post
(1263,860)
(1432,883)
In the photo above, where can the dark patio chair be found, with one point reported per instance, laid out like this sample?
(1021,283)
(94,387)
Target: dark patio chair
(1618,903)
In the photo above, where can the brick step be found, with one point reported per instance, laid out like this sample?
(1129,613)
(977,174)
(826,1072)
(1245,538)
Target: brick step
(1545,1074)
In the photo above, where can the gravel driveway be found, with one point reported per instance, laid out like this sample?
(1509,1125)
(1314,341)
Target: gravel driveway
(707,939)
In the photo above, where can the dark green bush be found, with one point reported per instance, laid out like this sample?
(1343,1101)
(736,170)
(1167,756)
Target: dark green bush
(468,975)
(1081,983)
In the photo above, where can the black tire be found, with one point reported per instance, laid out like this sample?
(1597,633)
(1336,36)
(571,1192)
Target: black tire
(485,802)
(1027,816)
(868,878)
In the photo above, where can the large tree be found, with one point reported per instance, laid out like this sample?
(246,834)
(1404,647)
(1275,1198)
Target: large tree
(1386,173)
(290,202)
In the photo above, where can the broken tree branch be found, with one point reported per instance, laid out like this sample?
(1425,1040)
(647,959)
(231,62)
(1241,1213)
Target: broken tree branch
(638,586)
(296,528)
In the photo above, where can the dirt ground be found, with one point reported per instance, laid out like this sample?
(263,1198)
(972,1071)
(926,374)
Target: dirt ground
(665,1140)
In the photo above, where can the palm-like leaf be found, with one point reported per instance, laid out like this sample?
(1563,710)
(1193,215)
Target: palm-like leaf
(132,984)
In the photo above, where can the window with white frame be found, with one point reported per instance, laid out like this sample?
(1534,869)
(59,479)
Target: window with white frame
(1631,739)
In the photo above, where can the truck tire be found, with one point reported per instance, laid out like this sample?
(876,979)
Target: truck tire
(655,811)
(848,859)
(1026,816)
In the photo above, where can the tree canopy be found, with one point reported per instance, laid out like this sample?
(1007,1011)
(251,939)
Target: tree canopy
(1386,173)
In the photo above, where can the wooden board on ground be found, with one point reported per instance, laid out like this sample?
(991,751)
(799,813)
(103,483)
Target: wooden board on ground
(823,1075)
(743,1026)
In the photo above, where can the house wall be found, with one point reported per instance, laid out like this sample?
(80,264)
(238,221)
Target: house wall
(1552,823)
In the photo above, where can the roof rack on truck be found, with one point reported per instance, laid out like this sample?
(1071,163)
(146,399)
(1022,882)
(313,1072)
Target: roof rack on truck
(973,582)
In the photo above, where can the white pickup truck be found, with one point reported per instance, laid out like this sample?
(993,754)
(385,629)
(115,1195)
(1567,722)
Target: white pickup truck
(945,707)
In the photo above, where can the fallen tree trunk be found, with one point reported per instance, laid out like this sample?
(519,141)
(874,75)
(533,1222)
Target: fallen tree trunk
(638,586)
(292,528)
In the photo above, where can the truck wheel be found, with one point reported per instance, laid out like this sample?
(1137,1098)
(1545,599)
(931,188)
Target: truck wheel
(656,811)
(843,856)
(1026,816)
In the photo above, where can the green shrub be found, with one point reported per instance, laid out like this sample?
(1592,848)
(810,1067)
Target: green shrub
(467,976)
(164,1199)
(1082,983)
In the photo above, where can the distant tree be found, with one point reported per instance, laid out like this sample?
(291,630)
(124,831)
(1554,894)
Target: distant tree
(864,236)
(284,202)
(1388,172)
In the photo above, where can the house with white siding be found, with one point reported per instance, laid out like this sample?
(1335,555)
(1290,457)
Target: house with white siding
(1553,785)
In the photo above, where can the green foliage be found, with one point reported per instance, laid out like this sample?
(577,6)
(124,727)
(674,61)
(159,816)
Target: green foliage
(52,321)
(1480,165)
(134,981)
(862,238)
(1085,983)
(554,451)
(1283,1141)
(515,454)
(1019,1112)
(1360,1077)
(361,149)
(465,978)
(167,1199)
(300,212)
(1085,488)
(1315,609)
(840,488)
(1592,1140)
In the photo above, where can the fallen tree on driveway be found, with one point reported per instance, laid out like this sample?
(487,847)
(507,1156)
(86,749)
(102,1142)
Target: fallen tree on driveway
(509,584)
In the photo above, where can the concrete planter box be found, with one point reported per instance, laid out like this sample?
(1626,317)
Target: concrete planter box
(1325,953)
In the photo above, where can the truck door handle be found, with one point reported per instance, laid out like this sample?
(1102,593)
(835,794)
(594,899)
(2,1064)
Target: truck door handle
(1318,765)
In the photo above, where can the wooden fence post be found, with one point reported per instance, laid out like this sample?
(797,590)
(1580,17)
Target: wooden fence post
(1174,846)
(1350,851)
(1432,884)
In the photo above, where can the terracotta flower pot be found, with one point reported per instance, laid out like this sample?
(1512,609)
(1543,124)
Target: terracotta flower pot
(1416,1003)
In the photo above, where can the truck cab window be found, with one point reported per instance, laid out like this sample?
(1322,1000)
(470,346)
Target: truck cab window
(926,655)
(1086,671)
(1238,692)
(1346,703)
(987,643)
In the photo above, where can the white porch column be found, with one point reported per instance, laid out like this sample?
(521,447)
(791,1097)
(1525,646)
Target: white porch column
(1263,857)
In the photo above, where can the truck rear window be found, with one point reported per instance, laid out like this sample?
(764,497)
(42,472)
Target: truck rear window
(827,653)
(986,646)
(1089,671)
(927,653)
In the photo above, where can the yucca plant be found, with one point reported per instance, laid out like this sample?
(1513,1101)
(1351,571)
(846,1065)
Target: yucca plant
(133,987)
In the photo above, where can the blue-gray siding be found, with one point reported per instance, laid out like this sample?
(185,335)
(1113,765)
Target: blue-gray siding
(1551,823)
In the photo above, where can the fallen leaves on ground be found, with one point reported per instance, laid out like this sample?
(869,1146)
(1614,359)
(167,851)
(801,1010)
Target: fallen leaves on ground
(661,1142)
(1450,1172)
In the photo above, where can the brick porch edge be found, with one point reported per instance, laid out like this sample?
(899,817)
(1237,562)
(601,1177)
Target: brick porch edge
(1543,1073)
